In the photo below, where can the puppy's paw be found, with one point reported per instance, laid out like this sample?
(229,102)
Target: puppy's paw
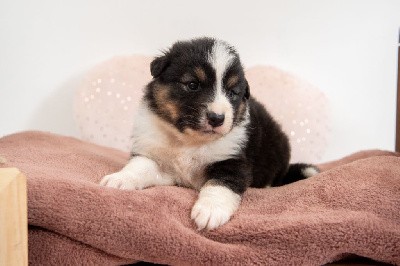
(123,180)
(215,206)
(139,173)
(208,215)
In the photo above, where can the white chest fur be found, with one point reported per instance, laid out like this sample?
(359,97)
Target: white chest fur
(182,161)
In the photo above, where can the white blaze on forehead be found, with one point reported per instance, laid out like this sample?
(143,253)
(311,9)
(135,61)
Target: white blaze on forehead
(221,59)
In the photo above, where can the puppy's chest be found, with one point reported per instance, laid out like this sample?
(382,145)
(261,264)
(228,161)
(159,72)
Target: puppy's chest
(187,165)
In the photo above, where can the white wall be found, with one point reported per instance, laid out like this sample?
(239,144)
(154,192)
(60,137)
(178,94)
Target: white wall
(348,48)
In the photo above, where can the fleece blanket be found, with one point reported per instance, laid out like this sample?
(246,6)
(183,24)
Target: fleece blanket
(352,207)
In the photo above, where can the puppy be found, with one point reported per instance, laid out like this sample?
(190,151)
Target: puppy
(198,127)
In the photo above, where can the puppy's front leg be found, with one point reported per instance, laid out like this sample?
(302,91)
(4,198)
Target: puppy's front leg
(140,172)
(220,196)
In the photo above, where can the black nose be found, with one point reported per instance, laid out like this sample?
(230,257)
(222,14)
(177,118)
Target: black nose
(215,120)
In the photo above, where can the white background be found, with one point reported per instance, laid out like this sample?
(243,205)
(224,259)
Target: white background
(347,48)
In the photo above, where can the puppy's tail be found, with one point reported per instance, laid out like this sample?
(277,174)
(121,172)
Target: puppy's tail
(296,172)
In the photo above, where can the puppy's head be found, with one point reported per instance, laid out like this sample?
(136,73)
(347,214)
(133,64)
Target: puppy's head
(199,88)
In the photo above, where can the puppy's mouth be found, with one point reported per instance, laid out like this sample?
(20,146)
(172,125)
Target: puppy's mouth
(209,131)
(204,132)
(215,131)
(209,128)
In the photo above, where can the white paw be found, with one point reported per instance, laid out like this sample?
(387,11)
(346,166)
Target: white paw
(123,180)
(139,173)
(208,215)
(215,206)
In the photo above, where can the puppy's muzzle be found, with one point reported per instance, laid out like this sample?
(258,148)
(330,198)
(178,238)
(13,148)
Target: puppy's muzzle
(214,119)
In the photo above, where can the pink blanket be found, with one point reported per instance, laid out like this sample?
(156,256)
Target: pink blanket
(352,207)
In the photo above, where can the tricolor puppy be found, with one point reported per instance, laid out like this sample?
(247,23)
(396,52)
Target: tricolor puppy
(198,127)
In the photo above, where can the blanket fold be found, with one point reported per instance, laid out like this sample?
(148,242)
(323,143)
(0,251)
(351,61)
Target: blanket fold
(352,207)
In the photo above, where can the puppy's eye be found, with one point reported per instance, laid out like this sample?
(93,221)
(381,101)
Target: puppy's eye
(194,86)
(234,91)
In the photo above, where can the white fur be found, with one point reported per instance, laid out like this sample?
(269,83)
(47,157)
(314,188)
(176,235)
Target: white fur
(139,173)
(221,60)
(176,154)
(309,172)
(214,207)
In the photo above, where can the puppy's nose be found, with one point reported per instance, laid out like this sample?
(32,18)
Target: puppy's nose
(215,120)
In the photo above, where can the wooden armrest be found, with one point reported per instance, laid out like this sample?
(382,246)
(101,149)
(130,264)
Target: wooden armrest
(13,218)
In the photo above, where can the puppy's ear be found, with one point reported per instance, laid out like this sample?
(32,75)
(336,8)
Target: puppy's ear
(158,65)
(247,91)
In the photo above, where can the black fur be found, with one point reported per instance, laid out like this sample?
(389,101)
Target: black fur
(293,174)
(268,150)
(264,160)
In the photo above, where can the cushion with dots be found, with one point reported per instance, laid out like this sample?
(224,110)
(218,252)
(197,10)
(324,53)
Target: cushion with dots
(106,101)
(107,98)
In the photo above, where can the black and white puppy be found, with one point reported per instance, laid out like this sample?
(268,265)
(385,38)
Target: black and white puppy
(198,127)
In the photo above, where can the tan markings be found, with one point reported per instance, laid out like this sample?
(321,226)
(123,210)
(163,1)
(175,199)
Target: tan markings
(241,109)
(197,137)
(232,81)
(164,103)
(200,74)
(173,110)
(187,78)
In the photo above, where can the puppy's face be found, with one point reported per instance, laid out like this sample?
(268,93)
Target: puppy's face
(199,87)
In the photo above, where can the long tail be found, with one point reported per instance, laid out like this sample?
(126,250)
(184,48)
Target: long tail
(296,172)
